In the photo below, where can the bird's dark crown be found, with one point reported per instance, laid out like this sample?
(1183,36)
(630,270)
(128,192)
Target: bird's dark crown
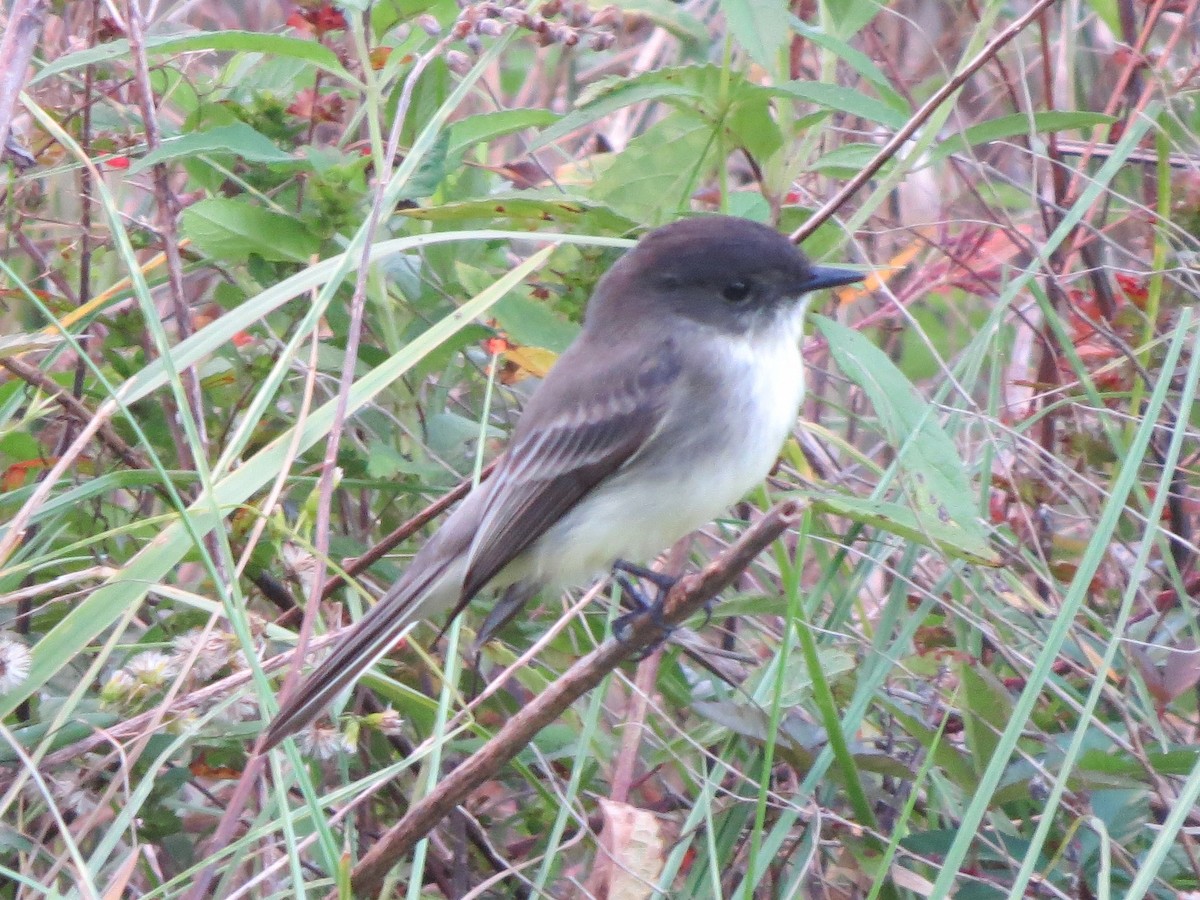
(720,270)
(711,250)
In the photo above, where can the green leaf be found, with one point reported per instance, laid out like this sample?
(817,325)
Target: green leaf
(855,59)
(233,230)
(848,16)
(238,139)
(1167,763)
(656,174)
(761,27)
(1014,125)
(78,727)
(527,209)
(532,324)
(16,344)
(930,465)
(525,320)
(848,159)
(922,528)
(843,99)
(706,91)
(237,41)
(751,124)
(473,130)
(1107,11)
(950,760)
(432,171)
(987,706)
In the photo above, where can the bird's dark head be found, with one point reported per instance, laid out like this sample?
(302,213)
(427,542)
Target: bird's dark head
(721,271)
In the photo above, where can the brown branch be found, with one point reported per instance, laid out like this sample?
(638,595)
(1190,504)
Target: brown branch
(16,50)
(918,119)
(77,410)
(169,210)
(687,597)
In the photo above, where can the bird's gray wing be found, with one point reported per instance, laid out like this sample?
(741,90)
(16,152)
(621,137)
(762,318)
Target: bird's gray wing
(558,459)
(573,435)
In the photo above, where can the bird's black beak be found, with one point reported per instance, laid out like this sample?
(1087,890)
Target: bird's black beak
(827,276)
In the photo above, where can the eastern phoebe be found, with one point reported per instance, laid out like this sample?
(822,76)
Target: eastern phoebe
(672,403)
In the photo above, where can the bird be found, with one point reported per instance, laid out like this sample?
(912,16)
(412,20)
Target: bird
(671,403)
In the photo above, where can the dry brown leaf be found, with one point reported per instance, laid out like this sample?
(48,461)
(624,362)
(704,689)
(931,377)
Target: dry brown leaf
(631,854)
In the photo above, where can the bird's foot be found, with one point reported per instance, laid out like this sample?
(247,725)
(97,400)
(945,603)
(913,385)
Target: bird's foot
(662,583)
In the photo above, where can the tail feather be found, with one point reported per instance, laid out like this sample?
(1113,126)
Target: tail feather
(355,653)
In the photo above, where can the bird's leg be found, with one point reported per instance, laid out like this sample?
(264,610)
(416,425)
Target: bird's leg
(661,581)
(663,584)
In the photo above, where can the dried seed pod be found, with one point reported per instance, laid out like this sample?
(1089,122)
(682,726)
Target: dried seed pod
(610,15)
(578,15)
(458,62)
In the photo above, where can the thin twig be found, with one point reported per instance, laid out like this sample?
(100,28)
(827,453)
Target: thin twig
(169,208)
(918,119)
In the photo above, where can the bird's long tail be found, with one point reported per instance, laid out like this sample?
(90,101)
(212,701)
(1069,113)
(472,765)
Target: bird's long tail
(367,641)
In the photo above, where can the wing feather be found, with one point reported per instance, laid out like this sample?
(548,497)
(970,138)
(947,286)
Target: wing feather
(550,469)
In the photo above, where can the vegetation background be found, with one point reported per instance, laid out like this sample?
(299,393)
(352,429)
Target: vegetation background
(275,279)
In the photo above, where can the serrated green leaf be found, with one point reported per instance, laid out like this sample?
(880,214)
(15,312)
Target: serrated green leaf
(233,230)
(652,179)
(843,99)
(706,91)
(761,27)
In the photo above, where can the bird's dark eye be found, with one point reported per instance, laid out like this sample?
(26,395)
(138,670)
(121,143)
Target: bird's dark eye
(737,291)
